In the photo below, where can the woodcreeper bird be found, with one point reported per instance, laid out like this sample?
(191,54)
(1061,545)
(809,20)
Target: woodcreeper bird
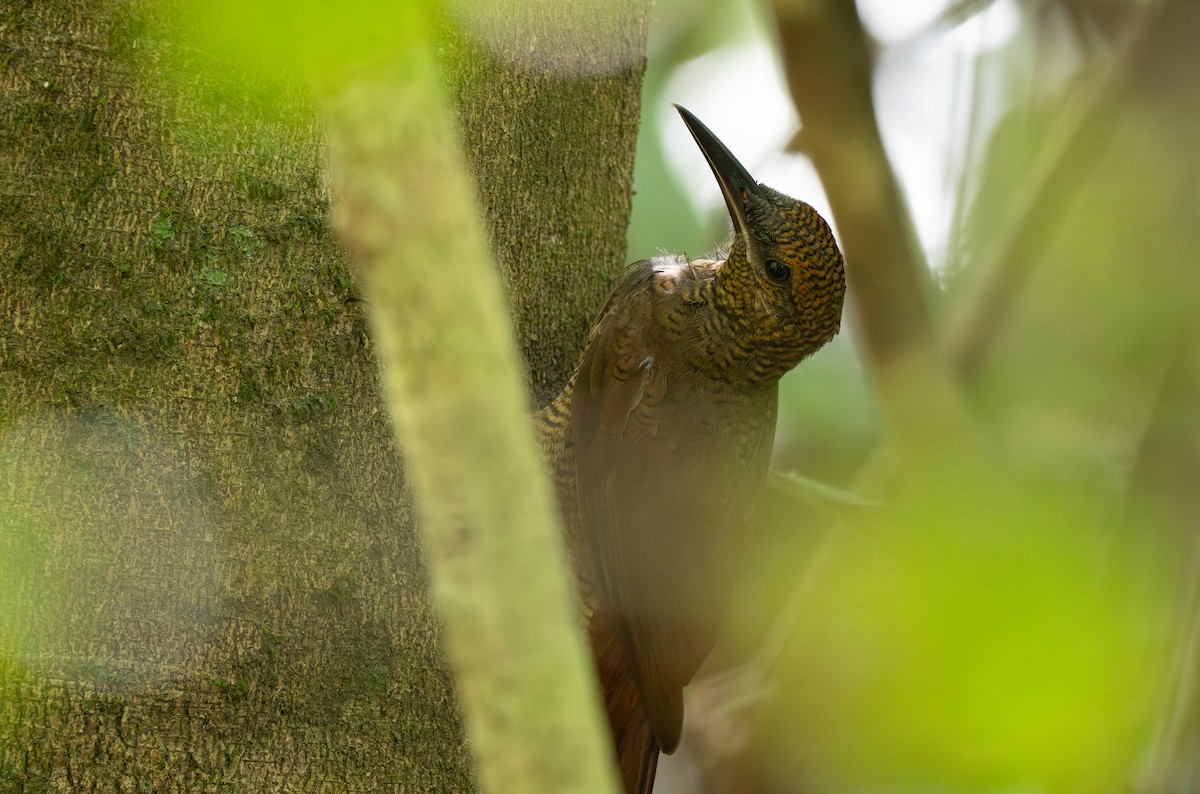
(660,441)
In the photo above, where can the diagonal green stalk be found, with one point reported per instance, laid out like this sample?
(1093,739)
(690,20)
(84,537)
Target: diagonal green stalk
(407,208)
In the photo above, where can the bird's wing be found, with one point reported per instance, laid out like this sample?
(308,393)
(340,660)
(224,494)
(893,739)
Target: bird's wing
(662,484)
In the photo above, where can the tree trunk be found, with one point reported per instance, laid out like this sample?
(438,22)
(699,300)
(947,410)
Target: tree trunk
(210,577)
(549,114)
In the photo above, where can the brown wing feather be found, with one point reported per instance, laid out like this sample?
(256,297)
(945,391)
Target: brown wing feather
(664,473)
(637,749)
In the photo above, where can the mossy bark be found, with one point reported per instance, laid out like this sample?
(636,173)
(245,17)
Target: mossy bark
(555,145)
(210,577)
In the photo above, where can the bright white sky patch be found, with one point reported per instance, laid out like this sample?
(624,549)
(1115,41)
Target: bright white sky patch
(891,20)
(739,93)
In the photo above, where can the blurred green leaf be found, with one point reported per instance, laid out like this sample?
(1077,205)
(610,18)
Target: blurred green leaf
(309,39)
(988,642)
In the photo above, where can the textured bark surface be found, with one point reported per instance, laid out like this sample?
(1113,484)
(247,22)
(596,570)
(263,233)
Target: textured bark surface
(549,113)
(209,572)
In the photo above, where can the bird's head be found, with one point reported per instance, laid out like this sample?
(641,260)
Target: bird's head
(783,281)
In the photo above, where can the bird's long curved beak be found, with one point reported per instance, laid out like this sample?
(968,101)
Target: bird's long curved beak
(736,183)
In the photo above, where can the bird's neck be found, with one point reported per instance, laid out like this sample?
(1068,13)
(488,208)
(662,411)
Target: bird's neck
(705,322)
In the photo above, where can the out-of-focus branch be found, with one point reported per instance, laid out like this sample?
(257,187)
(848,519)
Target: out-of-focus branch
(828,66)
(407,209)
(1068,154)
(1009,260)
(1163,513)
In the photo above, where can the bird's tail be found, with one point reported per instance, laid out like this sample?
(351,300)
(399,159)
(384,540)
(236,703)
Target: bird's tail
(637,749)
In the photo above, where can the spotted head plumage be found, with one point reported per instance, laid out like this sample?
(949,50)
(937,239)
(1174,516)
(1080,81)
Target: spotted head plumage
(783,281)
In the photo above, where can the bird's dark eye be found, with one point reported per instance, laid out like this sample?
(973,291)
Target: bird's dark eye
(778,271)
